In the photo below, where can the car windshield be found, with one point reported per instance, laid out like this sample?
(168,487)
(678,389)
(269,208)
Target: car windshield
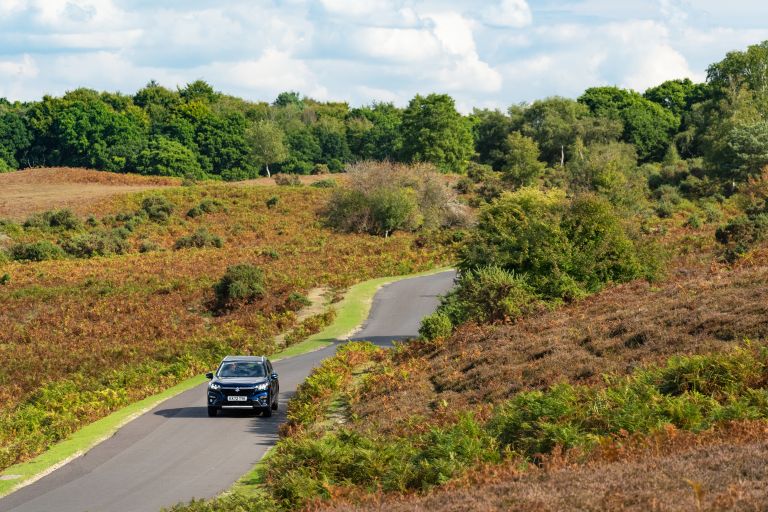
(242,369)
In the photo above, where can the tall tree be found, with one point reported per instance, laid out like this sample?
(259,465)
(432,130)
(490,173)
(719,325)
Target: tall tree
(267,142)
(433,131)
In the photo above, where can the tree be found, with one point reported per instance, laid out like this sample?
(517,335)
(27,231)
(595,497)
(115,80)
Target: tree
(199,90)
(520,160)
(677,96)
(747,69)
(554,123)
(647,125)
(490,129)
(433,131)
(267,142)
(166,157)
(374,132)
(749,143)
(15,138)
(289,98)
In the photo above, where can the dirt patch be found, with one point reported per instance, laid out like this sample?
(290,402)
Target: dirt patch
(33,190)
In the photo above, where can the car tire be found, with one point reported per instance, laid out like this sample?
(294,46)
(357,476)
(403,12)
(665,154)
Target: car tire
(274,405)
(266,412)
(212,411)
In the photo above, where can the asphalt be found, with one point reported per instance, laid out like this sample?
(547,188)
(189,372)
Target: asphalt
(174,452)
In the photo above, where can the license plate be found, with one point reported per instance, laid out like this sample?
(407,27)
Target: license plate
(237,398)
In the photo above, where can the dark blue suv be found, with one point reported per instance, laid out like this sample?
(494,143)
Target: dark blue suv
(243,381)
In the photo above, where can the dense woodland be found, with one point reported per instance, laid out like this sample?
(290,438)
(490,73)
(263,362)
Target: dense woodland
(719,128)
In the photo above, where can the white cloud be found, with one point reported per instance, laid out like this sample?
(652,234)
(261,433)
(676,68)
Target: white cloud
(510,13)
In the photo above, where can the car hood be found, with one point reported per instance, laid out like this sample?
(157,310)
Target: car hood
(233,382)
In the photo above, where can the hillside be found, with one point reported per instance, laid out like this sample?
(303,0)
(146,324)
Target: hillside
(130,308)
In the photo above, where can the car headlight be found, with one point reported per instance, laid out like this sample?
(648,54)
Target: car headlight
(262,387)
(214,386)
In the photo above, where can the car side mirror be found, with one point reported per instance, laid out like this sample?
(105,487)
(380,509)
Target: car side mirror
(209,375)
(274,376)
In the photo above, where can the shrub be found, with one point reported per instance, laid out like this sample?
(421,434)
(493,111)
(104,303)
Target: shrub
(241,283)
(5,278)
(62,219)
(296,301)
(488,294)
(97,243)
(287,180)
(564,248)
(320,169)
(148,246)
(36,251)
(199,239)
(157,208)
(206,206)
(434,326)
(325,184)
(5,167)
(741,234)
(272,202)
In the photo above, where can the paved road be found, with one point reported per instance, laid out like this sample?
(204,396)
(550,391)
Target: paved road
(175,452)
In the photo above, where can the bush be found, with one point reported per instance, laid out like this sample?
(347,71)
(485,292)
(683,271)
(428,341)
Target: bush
(565,248)
(325,184)
(287,180)
(741,234)
(5,167)
(98,243)
(36,251)
(296,301)
(272,202)
(240,284)
(206,206)
(5,278)
(157,208)
(486,295)
(434,326)
(199,239)
(148,246)
(62,219)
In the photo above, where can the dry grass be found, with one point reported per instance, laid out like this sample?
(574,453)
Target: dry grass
(696,311)
(719,470)
(33,190)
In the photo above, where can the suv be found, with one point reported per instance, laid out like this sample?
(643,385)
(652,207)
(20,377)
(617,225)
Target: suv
(243,381)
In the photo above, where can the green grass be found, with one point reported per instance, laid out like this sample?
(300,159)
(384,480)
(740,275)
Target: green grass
(352,311)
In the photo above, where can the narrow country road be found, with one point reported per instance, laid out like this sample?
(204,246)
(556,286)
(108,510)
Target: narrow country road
(174,452)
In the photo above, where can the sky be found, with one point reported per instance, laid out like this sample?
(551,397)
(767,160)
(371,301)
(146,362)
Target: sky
(492,53)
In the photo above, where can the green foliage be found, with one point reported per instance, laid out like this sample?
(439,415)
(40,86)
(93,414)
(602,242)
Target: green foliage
(374,132)
(157,208)
(564,249)
(272,202)
(691,393)
(97,243)
(55,219)
(36,251)
(488,294)
(520,163)
(267,143)
(166,157)
(198,240)
(647,125)
(241,283)
(325,184)
(434,132)
(677,96)
(749,143)
(206,206)
(5,278)
(287,180)
(435,326)
(741,234)
(378,213)
(5,167)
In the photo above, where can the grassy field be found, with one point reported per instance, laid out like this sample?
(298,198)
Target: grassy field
(81,337)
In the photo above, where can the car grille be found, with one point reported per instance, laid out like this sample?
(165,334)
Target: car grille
(234,392)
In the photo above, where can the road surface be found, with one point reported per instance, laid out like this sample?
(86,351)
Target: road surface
(174,452)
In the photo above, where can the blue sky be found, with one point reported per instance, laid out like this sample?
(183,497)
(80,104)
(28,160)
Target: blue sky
(484,53)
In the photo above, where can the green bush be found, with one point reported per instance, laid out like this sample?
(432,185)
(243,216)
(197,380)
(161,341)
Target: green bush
(97,243)
(488,294)
(741,234)
(296,301)
(37,251)
(287,180)
(379,213)
(272,202)
(148,246)
(166,157)
(435,326)
(564,248)
(157,208)
(241,283)
(325,184)
(5,167)
(62,219)
(206,206)
(198,240)
(5,278)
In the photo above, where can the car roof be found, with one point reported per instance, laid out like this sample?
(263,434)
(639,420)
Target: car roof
(259,359)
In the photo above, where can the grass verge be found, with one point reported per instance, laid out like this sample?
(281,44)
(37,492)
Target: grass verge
(352,311)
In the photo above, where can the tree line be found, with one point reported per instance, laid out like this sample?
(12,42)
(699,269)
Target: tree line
(718,128)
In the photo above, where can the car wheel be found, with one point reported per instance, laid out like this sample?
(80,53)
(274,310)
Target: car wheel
(212,411)
(266,412)
(274,405)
